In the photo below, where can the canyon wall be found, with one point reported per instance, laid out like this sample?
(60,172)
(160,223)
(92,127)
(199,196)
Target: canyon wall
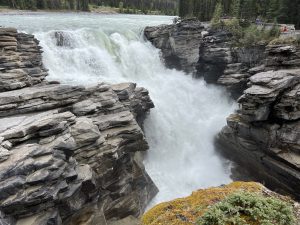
(68,154)
(263,134)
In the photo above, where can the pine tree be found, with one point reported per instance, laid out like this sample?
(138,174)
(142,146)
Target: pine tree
(273,10)
(248,9)
(217,13)
(235,8)
(283,11)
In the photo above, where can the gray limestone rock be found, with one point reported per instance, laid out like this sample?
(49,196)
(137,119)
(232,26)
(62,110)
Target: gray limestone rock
(179,43)
(64,148)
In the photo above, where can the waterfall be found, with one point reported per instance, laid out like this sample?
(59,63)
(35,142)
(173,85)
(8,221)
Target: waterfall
(188,113)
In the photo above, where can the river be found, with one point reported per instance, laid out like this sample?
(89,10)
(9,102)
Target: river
(111,48)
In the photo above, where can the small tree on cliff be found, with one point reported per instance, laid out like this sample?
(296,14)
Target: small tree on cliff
(235,8)
(217,14)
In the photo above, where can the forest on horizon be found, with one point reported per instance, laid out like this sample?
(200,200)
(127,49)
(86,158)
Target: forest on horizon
(167,7)
(278,11)
(281,11)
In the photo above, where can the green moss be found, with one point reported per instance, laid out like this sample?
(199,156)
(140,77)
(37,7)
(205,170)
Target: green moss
(194,206)
(245,208)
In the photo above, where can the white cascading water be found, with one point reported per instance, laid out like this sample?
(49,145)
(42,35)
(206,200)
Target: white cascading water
(188,113)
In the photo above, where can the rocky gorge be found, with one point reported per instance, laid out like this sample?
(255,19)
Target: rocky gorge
(263,134)
(73,154)
(68,154)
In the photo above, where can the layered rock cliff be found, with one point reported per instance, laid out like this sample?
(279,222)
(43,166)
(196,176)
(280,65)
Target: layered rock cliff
(263,135)
(179,43)
(68,154)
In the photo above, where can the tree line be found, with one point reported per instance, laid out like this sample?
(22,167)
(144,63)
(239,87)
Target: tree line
(168,7)
(281,11)
(163,6)
(47,4)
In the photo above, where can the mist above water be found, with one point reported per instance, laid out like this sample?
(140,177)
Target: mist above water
(188,113)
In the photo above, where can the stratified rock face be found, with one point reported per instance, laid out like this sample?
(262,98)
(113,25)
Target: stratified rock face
(264,134)
(179,43)
(194,47)
(222,63)
(68,154)
(215,54)
(282,57)
(21,65)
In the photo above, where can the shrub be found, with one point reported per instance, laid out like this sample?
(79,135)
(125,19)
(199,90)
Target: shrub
(246,34)
(217,14)
(286,41)
(245,208)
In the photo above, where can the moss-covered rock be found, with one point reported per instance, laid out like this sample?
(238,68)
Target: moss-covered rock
(237,203)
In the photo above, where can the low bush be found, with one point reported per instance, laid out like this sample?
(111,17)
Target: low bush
(245,208)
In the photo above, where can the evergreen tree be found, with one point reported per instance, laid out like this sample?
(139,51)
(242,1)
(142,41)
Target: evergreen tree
(217,13)
(283,11)
(248,9)
(235,8)
(273,10)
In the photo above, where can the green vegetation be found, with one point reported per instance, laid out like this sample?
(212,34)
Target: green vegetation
(245,34)
(286,41)
(47,4)
(284,11)
(245,208)
(168,7)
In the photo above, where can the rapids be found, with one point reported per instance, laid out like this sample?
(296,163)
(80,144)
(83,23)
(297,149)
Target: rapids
(111,48)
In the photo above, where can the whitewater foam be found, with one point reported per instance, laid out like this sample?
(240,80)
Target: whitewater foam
(188,114)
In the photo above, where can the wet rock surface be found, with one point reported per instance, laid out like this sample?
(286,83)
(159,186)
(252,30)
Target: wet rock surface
(68,154)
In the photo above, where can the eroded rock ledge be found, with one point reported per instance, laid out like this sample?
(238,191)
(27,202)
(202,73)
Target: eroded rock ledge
(68,154)
(263,135)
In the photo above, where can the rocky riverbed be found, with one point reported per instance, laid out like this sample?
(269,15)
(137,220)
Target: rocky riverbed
(263,134)
(68,154)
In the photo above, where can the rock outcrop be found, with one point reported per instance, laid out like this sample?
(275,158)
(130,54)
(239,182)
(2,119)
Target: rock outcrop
(179,43)
(68,154)
(239,200)
(196,48)
(263,135)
